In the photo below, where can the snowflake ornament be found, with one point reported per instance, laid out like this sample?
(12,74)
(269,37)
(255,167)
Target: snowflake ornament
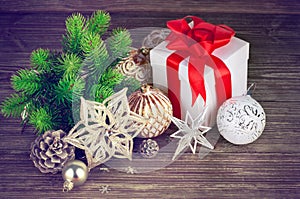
(104,189)
(106,129)
(191,133)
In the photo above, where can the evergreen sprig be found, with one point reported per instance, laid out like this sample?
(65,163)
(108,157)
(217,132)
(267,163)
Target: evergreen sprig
(119,43)
(41,119)
(70,64)
(56,80)
(99,22)
(111,78)
(75,29)
(89,42)
(26,81)
(101,92)
(69,89)
(40,60)
(14,105)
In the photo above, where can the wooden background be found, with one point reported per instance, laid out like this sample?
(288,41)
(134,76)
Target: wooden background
(268,168)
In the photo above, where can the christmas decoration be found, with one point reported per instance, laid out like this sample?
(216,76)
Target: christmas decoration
(75,173)
(199,64)
(152,104)
(56,80)
(130,170)
(241,120)
(136,65)
(49,152)
(190,131)
(149,148)
(156,37)
(106,129)
(104,189)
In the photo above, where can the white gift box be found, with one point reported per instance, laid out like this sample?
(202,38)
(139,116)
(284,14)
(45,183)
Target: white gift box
(235,55)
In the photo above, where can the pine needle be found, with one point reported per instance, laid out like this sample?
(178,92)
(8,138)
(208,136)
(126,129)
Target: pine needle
(99,22)
(70,64)
(69,88)
(14,105)
(26,81)
(41,119)
(75,29)
(119,43)
(40,60)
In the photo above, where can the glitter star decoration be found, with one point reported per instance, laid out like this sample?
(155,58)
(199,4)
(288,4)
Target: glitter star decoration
(191,133)
(106,129)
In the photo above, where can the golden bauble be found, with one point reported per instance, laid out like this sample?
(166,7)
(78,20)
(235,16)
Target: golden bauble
(74,173)
(153,105)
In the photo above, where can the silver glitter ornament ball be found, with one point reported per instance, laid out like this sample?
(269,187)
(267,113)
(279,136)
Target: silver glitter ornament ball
(241,120)
(149,148)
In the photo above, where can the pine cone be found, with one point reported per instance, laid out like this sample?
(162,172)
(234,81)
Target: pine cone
(50,153)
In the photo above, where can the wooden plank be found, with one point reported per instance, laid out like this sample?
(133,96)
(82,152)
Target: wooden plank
(234,6)
(267,168)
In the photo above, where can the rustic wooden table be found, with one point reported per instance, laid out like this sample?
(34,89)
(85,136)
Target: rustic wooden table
(268,168)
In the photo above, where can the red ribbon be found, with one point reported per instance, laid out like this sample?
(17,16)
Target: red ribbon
(196,42)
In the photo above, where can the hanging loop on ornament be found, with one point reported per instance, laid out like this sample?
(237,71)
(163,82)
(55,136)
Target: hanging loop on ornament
(68,186)
(251,89)
(146,88)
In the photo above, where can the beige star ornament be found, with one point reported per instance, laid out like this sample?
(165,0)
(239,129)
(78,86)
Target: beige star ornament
(191,133)
(106,129)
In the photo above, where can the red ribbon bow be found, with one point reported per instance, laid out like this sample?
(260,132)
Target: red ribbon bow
(192,37)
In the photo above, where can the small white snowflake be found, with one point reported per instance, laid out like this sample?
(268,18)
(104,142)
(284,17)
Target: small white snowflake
(130,170)
(104,189)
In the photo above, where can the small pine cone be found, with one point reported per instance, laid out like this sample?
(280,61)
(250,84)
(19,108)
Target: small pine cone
(149,148)
(50,153)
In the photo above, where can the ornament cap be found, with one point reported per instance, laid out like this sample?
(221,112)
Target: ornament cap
(145,88)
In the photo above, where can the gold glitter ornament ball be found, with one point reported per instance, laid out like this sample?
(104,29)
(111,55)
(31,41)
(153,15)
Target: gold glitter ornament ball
(74,173)
(152,104)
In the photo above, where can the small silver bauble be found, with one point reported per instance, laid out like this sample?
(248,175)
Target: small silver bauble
(74,173)
(241,120)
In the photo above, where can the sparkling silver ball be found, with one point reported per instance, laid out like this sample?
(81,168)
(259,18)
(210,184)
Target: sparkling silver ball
(241,120)
(74,173)
(149,148)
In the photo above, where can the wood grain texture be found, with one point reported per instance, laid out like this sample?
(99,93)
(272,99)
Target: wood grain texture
(268,168)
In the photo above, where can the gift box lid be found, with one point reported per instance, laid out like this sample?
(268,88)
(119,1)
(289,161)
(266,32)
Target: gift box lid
(234,46)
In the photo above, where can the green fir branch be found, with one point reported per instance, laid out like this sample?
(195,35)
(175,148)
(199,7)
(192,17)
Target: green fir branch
(14,105)
(97,60)
(111,77)
(41,119)
(69,89)
(53,85)
(40,60)
(101,92)
(70,64)
(99,22)
(89,42)
(75,29)
(119,43)
(26,81)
